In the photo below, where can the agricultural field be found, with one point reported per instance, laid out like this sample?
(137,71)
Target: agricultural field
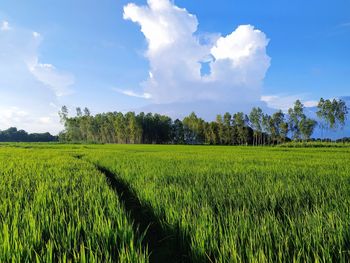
(56,208)
(147,203)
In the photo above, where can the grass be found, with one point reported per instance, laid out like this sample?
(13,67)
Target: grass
(215,204)
(244,204)
(55,208)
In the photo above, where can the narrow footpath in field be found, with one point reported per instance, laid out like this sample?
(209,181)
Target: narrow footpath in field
(163,244)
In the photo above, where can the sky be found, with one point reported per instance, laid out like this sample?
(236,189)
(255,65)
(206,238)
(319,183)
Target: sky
(168,56)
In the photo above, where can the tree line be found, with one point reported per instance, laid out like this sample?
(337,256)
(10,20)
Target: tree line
(14,135)
(255,128)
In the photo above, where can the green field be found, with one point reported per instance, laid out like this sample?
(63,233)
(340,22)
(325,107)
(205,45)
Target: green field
(145,203)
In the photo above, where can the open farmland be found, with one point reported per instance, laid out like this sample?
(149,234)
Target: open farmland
(174,203)
(55,208)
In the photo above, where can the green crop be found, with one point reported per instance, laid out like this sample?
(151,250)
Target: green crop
(56,208)
(244,204)
(196,203)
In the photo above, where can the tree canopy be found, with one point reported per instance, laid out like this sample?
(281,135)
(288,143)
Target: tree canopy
(257,128)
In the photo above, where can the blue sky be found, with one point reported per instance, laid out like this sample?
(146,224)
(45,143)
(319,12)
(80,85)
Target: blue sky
(85,53)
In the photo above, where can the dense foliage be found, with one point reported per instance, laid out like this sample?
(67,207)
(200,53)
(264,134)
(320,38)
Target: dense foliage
(257,128)
(14,135)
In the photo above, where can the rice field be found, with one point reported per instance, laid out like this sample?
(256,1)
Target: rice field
(147,203)
(55,208)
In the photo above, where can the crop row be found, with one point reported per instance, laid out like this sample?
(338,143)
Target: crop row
(243,204)
(56,208)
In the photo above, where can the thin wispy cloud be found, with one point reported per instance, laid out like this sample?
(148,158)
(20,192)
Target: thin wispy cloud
(27,84)
(347,24)
(60,82)
(132,93)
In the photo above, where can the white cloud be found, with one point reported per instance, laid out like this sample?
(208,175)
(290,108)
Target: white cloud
(134,94)
(19,59)
(27,85)
(284,102)
(30,121)
(58,81)
(36,34)
(237,62)
(5,26)
(45,120)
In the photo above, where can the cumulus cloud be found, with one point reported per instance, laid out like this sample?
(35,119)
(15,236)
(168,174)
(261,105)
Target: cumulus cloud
(237,63)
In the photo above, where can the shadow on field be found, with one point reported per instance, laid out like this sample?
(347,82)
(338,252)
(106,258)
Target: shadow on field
(164,244)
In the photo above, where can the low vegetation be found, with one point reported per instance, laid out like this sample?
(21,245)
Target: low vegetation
(244,204)
(217,204)
(56,208)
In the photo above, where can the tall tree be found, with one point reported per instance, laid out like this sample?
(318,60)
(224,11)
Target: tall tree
(193,129)
(322,113)
(79,112)
(307,127)
(228,134)
(239,125)
(296,114)
(277,121)
(266,127)
(220,129)
(255,118)
(332,113)
(340,111)
(63,114)
(178,132)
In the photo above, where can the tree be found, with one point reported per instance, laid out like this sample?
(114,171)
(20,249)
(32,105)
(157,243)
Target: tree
(178,132)
(63,114)
(14,135)
(284,128)
(86,111)
(193,129)
(296,114)
(239,125)
(340,111)
(220,129)
(79,112)
(332,113)
(307,127)
(322,114)
(277,121)
(255,118)
(116,127)
(266,128)
(227,134)
(211,133)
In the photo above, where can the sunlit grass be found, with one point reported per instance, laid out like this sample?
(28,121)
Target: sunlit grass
(55,208)
(245,204)
(228,204)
